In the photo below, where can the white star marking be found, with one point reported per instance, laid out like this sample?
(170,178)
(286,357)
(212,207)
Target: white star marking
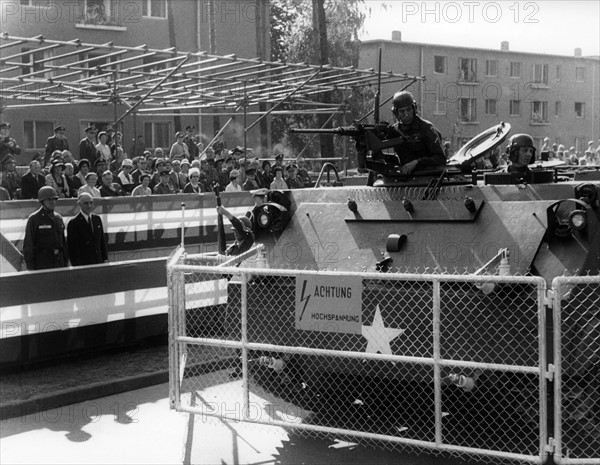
(378,336)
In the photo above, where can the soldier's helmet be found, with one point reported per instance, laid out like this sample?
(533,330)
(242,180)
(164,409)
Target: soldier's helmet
(46,193)
(517,141)
(403,99)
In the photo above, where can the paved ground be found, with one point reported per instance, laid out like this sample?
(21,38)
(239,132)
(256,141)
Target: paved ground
(137,427)
(114,408)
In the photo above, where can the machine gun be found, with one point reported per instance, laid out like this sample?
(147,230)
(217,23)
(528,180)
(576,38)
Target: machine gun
(371,140)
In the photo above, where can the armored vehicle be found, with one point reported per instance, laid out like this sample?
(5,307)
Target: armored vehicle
(448,277)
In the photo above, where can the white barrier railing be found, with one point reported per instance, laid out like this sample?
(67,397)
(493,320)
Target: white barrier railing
(466,368)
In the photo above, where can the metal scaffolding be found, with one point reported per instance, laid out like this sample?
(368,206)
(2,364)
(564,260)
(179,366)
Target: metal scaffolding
(41,71)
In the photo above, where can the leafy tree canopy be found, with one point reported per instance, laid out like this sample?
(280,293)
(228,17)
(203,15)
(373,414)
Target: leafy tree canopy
(294,39)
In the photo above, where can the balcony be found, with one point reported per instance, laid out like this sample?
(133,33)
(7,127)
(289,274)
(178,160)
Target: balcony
(95,17)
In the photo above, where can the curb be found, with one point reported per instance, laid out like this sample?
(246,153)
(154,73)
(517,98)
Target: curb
(75,395)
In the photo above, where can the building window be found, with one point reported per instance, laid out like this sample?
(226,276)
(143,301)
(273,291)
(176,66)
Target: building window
(557,109)
(515,69)
(539,112)
(36,133)
(439,64)
(99,12)
(468,110)
(580,74)
(579,110)
(558,70)
(491,67)
(491,106)
(440,106)
(33,61)
(154,8)
(515,108)
(96,63)
(157,134)
(467,70)
(540,74)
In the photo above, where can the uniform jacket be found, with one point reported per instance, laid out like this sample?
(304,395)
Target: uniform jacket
(8,146)
(11,181)
(45,245)
(87,149)
(31,184)
(54,143)
(240,245)
(420,141)
(87,245)
(193,149)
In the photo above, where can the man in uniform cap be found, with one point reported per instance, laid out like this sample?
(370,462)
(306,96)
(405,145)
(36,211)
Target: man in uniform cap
(45,245)
(8,146)
(85,235)
(56,142)
(163,186)
(191,143)
(87,146)
(11,180)
(291,178)
(279,159)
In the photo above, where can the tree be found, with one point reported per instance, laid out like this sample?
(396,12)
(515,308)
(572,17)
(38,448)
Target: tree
(295,39)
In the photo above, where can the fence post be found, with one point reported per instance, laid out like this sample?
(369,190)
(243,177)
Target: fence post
(437,381)
(245,381)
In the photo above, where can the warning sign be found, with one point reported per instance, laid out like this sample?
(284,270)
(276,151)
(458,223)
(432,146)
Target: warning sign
(329,304)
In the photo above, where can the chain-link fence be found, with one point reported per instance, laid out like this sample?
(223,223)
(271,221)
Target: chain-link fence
(577,355)
(455,364)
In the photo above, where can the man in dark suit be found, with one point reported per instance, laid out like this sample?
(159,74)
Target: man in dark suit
(56,142)
(85,235)
(32,181)
(87,146)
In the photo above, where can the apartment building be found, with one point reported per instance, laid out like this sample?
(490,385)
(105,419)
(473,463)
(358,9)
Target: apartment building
(468,90)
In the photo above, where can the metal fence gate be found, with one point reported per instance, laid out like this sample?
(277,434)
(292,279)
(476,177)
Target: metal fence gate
(577,355)
(450,363)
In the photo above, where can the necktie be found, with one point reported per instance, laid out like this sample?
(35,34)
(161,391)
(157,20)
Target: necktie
(90,223)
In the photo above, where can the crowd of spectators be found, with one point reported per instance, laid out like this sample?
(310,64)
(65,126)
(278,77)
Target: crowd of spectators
(104,169)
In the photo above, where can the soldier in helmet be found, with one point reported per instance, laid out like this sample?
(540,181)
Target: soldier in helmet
(44,245)
(521,153)
(421,144)
(242,230)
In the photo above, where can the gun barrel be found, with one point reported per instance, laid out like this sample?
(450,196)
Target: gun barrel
(342,131)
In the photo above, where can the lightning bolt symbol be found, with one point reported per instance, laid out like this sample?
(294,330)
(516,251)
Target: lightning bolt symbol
(304,299)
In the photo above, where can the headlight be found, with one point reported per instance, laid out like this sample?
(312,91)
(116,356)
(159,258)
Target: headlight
(264,218)
(578,220)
